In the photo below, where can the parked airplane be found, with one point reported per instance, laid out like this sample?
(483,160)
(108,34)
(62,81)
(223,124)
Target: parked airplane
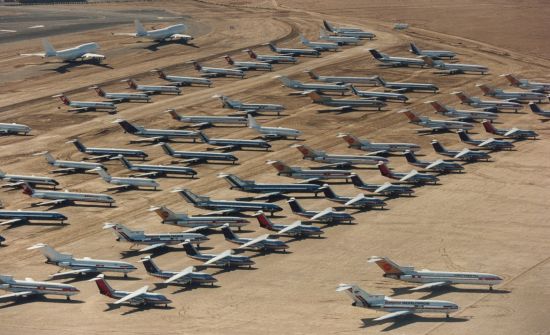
(196,157)
(245,66)
(187,276)
(344,104)
(382,96)
(138,297)
(377,148)
(323,156)
(435,125)
(309,174)
(155,135)
(82,52)
(462,115)
(152,241)
(489,143)
(454,68)
(430,279)
(320,88)
(58,198)
(107,153)
(86,106)
(227,144)
(434,54)
(260,243)
(395,307)
(15,180)
(273,59)
(249,108)
(173,32)
(528,85)
(272,132)
(359,201)
(438,165)
(121,97)
(386,189)
(201,121)
(319,46)
(296,229)
(198,221)
(348,32)
(79,266)
(396,61)
(492,105)
(412,177)
(226,206)
(14,128)
(148,170)
(23,217)
(225,259)
(514,133)
(400,87)
(294,51)
(334,29)
(511,96)
(70,166)
(539,111)
(328,215)
(372,80)
(464,154)
(341,40)
(126,183)
(152,89)
(211,72)
(30,287)
(183,81)
(269,191)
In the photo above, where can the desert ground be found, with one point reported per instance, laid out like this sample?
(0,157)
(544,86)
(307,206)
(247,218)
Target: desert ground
(492,218)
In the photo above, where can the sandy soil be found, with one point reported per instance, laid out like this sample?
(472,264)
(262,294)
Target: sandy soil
(490,219)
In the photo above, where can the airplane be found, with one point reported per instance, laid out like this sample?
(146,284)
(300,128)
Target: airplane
(328,215)
(434,54)
(70,166)
(341,40)
(539,111)
(344,104)
(382,96)
(296,229)
(14,128)
(187,276)
(310,175)
(387,189)
(400,87)
(489,143)
(395,307)
(183,81)
(121,97)
(138,297)
(377,148)
(439,165)
(201,121)
(348,32)
(511,96)
(269,191)
(430,279)
(155,135)
(372,80)
(249,108)
(491,105)
(320,88)
(359,201)
(80,266)
(227,144)
(464,154)
(225,259)
(334,29)
(412,177)
(170,33)
(245,66)
(152,241)
(17,180)
(273,59)
(152,89)
(294,51)
(323,156)
(87,106)
(514,133)
(83,52)
(107,153)
(261,243)
(58,198)
(454,68)
(148,170)
(196,157)
(396,61)
(462,115)
(226,206)
(184,220)
(319,46)
(23,217)
(435,125)
(527,85)
(125,183)
(217,71)
(30,287)
(272,132)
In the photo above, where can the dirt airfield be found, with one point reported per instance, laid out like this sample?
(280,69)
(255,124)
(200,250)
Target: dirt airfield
(492,218)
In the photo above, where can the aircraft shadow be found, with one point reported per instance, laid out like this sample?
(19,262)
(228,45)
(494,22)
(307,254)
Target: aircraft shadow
(231,269)
(154,253)
(38,298)
(188,288)
(38,224)
(298,239)
(409,319)
(155,46)
(267,253)
(442,290)
(135,309)
(66,67)
(87,276)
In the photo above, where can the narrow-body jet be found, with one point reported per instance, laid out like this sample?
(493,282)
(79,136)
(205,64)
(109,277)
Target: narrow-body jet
(294,51)
(14,180)
(272,132)
(19,217)
(464,154)
(197,157)
(296,229)
(454,68)
(328,215)
(434,54)
(345,104)
(14,128)
(412,177)
(139,297)
(498,93)
(435,125)
(462,115)
(377,148)
(30,287)
(202,121)
(183,81)
(126,183)
(269,191)
(59,198)
(310,175)
(273,59)
(359,201)
(198,221)
(372,80)
(155,135)
(108,153)
(187,276)
(260,243)
(387,60)
(148,170)
(438,165)
(212,72)
(245,66)
(87,106)
(491,105)
(514,133)
(121,97)
(227,144)
(490,143)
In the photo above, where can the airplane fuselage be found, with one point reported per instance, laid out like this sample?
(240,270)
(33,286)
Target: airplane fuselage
(76,52)
(38,287)
(426,276)
(14,128)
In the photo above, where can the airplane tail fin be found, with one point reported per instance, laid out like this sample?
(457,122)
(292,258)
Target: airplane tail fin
(376,54)
(234,181)
(381,80)
(303,39)
(103,286)
(121,231)
(2,174)
(464,137)
(428,60)
(384,170)
(356,180)
(263,220)
(351,140)
(140,29)
(252,122)
(486,89)
(79,146)
(49,50)
(414,49)
(410,115)
(63,98)
(359,296)
(512,79)
(229,59)
(125,162)
(131,83)
(104,175)
(438,107)
(306,151)
(328,26)
(167,149)
(312,74)
(328,192)
(287,81)
(463,97)
(6,279)
(387,265)
(174,114)
(489,127)
(438,147)
(128,127)
(316,97)
(99,90)
(49,158)
(410,156)
(272,47)
(280,166)
(204,137)
(27,189)
(189,196)
(251,53)
(197,65)
(295,206)
(160,73)
(150,265)
(190,249)
(50,253)
(165,213)
(535,108)
(228,233)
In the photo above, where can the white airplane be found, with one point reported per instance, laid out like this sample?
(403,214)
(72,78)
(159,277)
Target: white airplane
(201,121)
(395,307)
(344,104)
(372,80)
(86,106)
(539,111)
(377,148)
(125,183)
(488,105)
(18,217)
(511,96)
(396,61)
(528,85)
(348,32)
(514,133)
(58,198)
(323,156)
(121,97)
(272,132)
(183,81)
(14,128)
(454,68)
(70,166)
(382,96)
(430,279)
(197,221)
(15,180)
(217,71)
(248,65)
(173,32)
(435,125)
(247,107)
(296,229)
(319,46)
(273,59)
(462,115)
(138,297)
(155,135)
(300,86)
(152,89)
(79,266)
(30,287)
(434,54)
(341,40)
(310,175)
(83,52)
(187,276)
(294,51)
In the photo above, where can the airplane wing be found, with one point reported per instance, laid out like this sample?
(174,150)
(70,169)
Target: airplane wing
(430,285)
(147,174)
(102,157)
(392,315)
(201,125)
(16,294)
(322,214)
(79,109)
(401,90)
(92,56)
(118,187)
(289,227)
(192,160)
(152,246)
(125,34)
(40,54)
(339,165)
(14,184)
(52,203)
(149,139)
(511,132)
(355,200)
(255,241)
(72,272)
(181,36)
(12,222)
(132,295)
(462,153)
(435,164)
(340,108)
(308,181)
(268,196)
(222,212)
(409,175)
(484,143)
(218,257)
(195,229)
(383,187)
(179,275)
